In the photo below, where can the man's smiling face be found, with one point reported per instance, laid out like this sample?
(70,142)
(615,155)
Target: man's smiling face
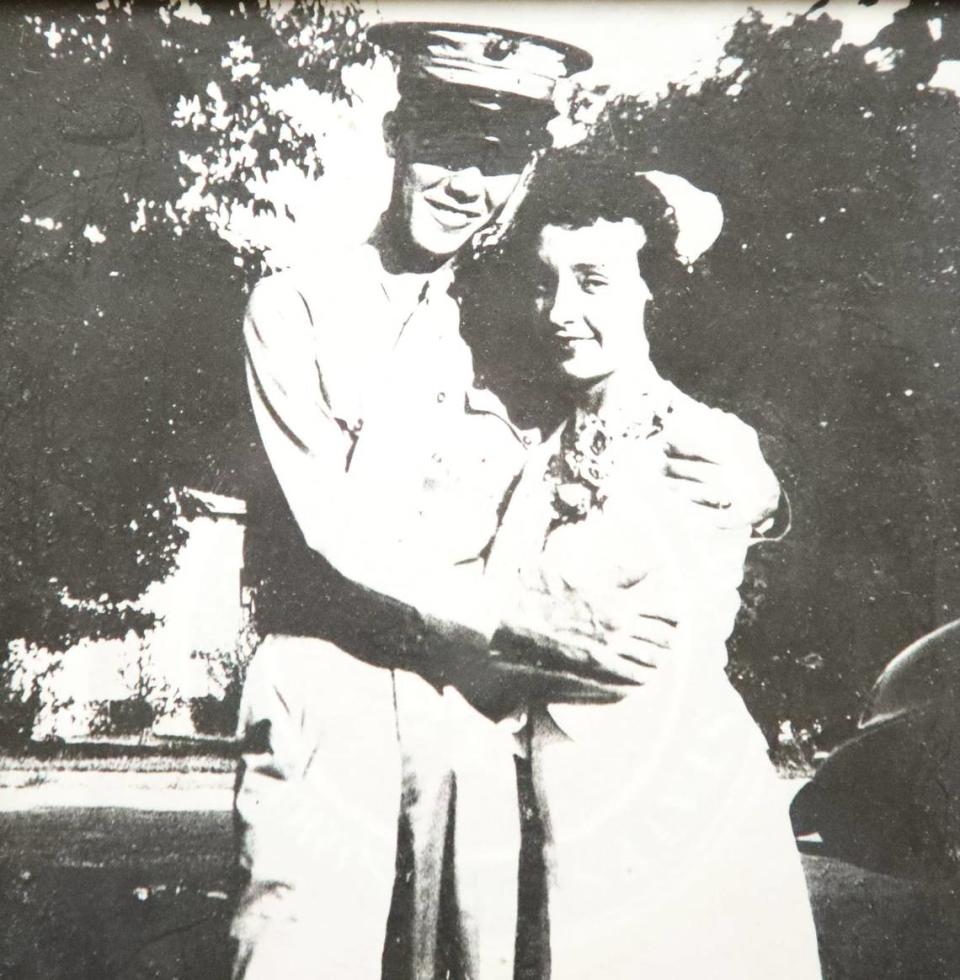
(445,203)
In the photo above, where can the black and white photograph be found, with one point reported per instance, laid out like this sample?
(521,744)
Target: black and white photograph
(479,490)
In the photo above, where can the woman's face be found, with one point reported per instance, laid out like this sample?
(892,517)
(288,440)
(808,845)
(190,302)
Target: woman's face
(590,297)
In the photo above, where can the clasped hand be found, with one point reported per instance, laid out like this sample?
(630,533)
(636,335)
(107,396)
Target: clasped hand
(572,644)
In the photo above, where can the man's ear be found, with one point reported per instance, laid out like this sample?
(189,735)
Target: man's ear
(390,134)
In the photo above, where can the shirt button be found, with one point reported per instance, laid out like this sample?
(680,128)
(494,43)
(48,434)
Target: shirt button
(441,396)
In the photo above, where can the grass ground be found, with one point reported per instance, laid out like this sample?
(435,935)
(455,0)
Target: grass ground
(132,895)
(166,755)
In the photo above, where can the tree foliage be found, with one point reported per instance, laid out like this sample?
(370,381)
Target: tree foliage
(120,367)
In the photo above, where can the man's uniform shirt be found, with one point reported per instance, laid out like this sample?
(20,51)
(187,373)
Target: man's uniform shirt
(393,461)
(395,466)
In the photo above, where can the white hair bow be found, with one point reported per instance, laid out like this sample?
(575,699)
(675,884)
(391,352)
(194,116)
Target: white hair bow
(698,214)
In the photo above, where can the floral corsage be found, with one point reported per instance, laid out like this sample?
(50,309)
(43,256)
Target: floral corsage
(581,470)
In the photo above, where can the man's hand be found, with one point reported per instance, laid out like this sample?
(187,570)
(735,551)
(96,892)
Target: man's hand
(559,644)
(508,683)
(559,630)
(714,459)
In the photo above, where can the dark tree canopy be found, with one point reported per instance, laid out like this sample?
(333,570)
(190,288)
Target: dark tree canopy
(121,374)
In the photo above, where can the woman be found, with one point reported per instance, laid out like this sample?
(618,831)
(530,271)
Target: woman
(666,845)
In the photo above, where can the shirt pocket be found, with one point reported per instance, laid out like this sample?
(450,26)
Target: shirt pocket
(464,483)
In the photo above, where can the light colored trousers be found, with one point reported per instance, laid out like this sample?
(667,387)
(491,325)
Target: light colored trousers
(336,751)
(669,850)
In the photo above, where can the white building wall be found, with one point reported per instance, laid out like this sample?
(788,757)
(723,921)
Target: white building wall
(199,611)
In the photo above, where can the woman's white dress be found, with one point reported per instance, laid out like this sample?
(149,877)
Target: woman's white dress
(669,850)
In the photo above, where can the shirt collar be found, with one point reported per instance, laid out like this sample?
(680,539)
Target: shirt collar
(653,402)
(481,400)
(407,290)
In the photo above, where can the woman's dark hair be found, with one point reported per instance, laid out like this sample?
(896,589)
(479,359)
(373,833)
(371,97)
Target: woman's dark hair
(572,188)
(576,186)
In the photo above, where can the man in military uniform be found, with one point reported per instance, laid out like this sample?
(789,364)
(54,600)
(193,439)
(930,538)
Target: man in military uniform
(393,460)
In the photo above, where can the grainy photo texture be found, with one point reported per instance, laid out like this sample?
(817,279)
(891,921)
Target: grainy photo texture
(479,490)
